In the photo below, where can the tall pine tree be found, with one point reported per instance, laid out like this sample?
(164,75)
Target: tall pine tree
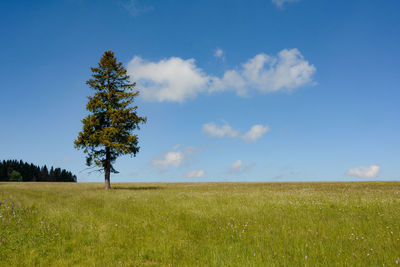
(108,130)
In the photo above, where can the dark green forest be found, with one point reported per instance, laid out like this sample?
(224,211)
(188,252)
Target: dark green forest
(19,171)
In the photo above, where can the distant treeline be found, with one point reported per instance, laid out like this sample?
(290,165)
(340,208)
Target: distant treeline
(19,171)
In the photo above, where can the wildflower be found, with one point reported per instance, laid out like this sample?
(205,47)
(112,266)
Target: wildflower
(254,254)
(306,257)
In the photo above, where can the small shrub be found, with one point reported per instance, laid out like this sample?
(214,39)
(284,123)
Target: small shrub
(15,176)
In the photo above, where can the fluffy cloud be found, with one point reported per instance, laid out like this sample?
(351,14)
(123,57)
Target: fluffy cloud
(280,3)
(172,79)
(177,80)
(175,158)
(255,132)
(195,174)
(371,171)
(267,74)
(239,167)
(214,130)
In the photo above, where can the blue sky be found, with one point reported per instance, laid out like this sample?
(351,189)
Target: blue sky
(261,90)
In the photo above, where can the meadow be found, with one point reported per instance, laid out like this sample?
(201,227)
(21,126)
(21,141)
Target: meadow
(200,224)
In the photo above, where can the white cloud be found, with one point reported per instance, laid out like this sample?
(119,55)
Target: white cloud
(255,132)
(267,74)
(219,53)
(175,158)
(239,167)
(280,3)
(177,80)
(214,130)
(231,80)
(195,174)
(371,171)
(172,79)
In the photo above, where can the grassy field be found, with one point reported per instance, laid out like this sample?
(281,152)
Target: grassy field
(218,224)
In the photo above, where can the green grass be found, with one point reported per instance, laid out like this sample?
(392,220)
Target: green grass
(192,224)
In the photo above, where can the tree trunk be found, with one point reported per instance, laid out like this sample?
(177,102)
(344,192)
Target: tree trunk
(107,179)
(107,169)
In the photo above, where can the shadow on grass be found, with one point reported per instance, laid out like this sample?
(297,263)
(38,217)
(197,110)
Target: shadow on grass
(138,188)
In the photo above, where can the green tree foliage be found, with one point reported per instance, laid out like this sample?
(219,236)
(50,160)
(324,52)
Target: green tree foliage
(33,173)
(108,130)
(44,174)
(15,176)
